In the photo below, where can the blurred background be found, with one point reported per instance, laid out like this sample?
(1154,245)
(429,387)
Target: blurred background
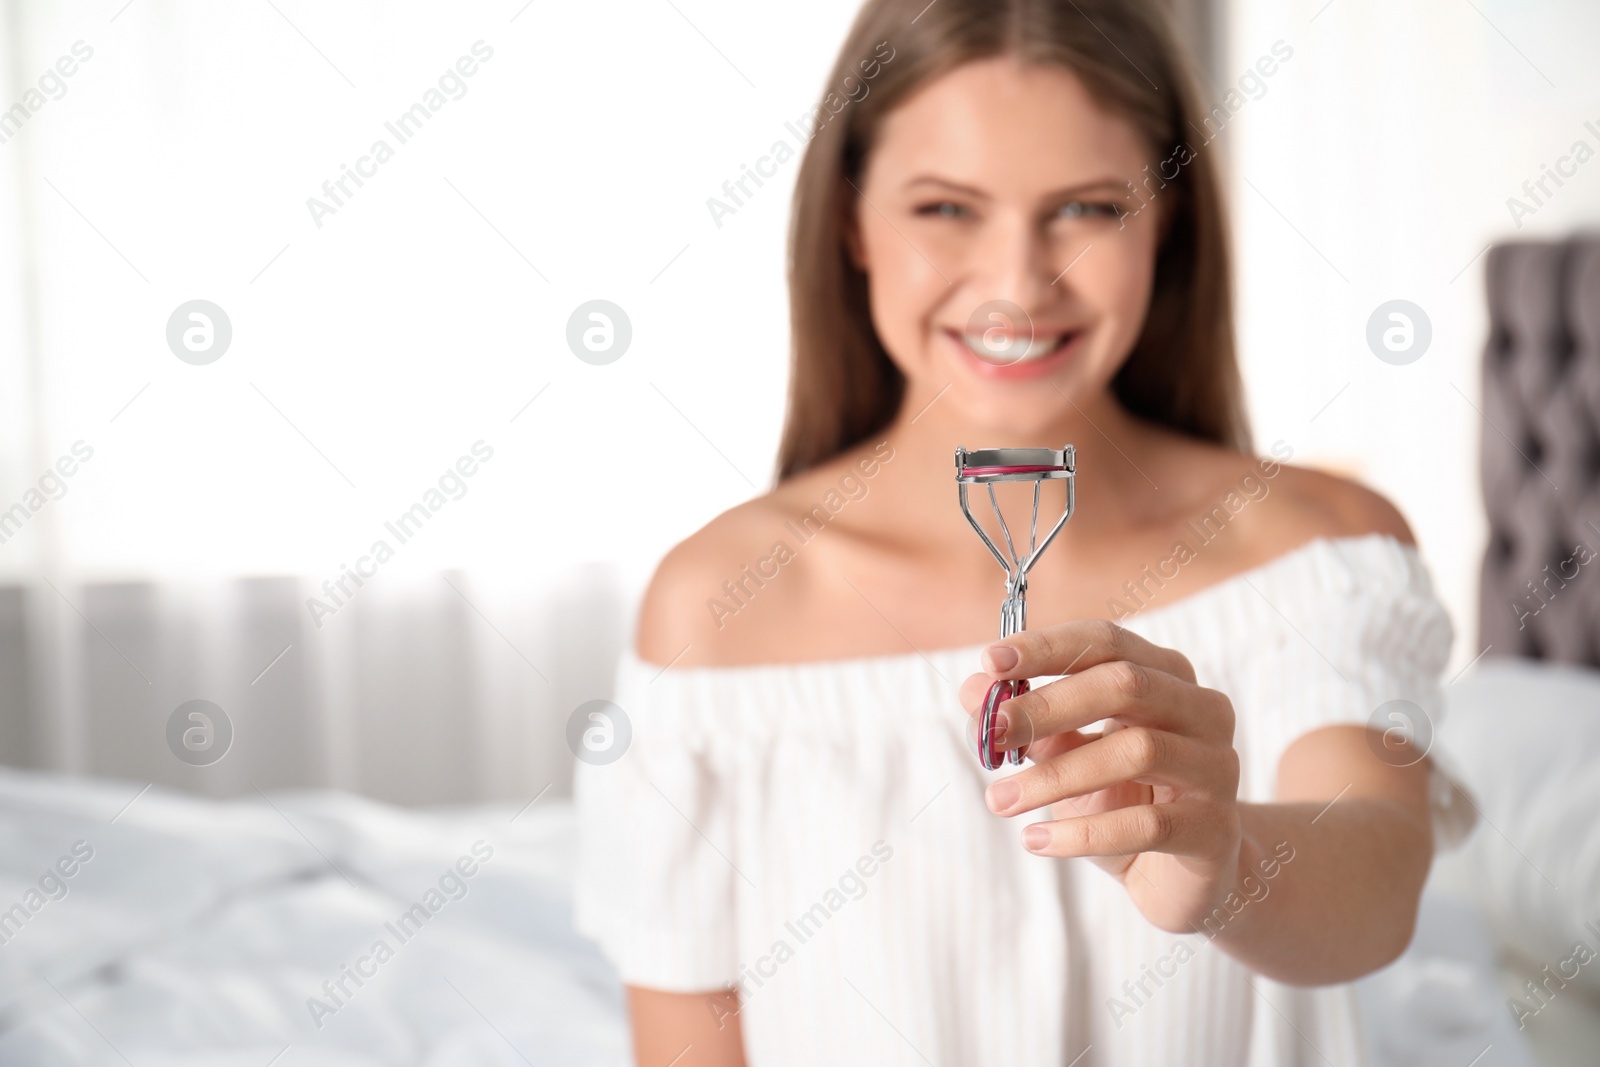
(175,491)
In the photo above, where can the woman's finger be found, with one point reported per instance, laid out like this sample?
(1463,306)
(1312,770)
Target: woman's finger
(1133,694)
(974,689)
(1150,757)
(1040,749)
(1077,646)
(1185,828)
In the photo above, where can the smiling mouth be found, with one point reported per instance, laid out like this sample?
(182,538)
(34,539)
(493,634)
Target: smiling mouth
(1003,350)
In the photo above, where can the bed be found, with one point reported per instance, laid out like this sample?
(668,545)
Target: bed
(1498,968)
(201,931)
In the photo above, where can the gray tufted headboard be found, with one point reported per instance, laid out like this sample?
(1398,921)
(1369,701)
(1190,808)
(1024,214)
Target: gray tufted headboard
(1540,595)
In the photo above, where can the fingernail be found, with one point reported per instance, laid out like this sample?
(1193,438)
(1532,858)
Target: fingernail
(998,659)
(1002,727)
(1035,837)
(1004,794)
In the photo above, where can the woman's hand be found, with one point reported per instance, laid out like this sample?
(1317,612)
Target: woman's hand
(1153,797)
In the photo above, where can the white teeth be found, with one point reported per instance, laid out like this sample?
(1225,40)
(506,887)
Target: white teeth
(1015,350)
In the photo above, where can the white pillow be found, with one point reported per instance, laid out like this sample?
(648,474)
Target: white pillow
(1526,738)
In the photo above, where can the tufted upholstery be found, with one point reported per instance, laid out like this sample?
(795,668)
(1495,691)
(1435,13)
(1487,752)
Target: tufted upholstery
(1541,389)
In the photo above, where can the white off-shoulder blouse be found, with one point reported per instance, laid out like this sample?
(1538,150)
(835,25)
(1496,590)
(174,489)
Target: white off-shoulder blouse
(814,834)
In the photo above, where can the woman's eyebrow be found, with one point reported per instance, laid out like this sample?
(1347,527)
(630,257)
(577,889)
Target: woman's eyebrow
(930,179)
(1070,190)
(1097,185)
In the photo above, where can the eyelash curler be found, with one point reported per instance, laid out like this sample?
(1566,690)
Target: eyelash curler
(986,466)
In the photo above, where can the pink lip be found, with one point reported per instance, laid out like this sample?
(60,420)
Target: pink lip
(1022,371)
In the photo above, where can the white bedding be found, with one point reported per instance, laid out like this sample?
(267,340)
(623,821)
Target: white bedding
(197,931)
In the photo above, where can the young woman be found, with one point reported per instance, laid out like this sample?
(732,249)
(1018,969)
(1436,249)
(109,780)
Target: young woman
(799,859)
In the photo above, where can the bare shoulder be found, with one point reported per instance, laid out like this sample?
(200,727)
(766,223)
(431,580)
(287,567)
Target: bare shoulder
(675,623)
(1271,507)
(730,566)
(1319,504)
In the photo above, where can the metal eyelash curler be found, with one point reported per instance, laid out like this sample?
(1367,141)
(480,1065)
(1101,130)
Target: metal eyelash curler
(986,466)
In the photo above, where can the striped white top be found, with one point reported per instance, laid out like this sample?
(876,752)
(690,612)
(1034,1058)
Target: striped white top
(815,833)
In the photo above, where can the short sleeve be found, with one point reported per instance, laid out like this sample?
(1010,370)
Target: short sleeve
(1357,630)
(1357,637)
(654,883)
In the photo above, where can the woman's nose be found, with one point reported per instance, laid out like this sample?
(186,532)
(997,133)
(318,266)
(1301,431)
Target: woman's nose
(1012,262)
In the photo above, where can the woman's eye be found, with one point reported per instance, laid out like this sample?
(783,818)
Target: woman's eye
(1081,209)
(943,209)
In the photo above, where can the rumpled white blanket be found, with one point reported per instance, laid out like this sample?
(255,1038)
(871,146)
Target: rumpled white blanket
(198,930)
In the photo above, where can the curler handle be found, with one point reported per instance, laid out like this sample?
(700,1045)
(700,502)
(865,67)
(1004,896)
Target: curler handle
(988,754)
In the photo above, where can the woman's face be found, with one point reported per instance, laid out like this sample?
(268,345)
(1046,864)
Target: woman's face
(995,211)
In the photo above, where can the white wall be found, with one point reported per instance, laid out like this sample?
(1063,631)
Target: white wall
(367,356)
(1391,142)
(406,327)
(178,165)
